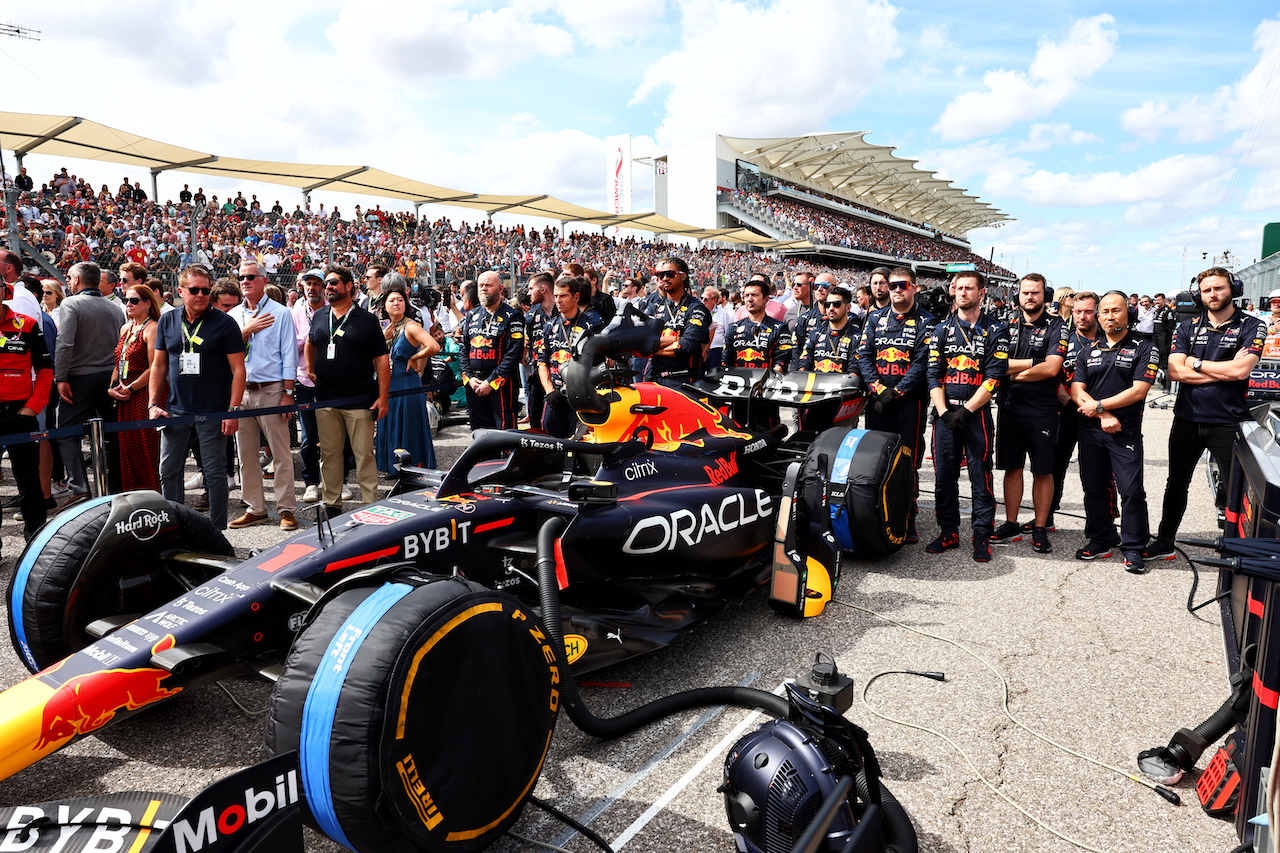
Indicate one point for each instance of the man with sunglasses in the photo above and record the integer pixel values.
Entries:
(809, 312)
(199, 358)
(686, 326)
(271, 367)
(893, 358)
(831, 348)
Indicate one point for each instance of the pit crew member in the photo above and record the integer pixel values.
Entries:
(1212, 357)
(967, 357)
(758, 341)
(492, 346)
(1028, 421)
(559, 340)
(26, 380)
(1109, 387)
(893, 358)
(686, 326)
(830, 348)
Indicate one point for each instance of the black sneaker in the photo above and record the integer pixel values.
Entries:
(1094, 551)
(1040, 541)
(1160, 549)
(1010, 531)
(1030, 526)
(945, 542)
(1134, 565)
(982, 548)
(912, 536)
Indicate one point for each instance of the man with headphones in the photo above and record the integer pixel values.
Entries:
(1109, 387)
(1028, 422)
(1212, 357)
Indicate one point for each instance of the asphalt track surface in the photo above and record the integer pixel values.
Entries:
(1105, 662)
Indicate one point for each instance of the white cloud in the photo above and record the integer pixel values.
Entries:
(443, 38)
(1265, 192)
(1172, 176)
(1014, 96)
(795, 91)
(608, 24)
(1250, 102)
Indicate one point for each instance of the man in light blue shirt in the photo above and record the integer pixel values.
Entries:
(271, 368)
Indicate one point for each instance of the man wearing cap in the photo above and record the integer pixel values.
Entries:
(311, 283)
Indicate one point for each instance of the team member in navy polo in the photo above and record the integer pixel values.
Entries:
(757, 341)
(832, 347)
(1211, 359)
(893, 357)
(200, 357)
(492, 346)
(686, 326)
(560, 337)
(1084, 316)
(1111, 381)
(542, 307)
(346, 356)
(1028, 422)
(967, 356)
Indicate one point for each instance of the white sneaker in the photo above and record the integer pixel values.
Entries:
(346, 492)
(61, 490)
(231, 482)
(195, 481)
(311, 495)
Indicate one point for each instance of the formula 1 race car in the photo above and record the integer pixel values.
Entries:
(386, 626)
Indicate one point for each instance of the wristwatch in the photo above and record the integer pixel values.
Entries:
(1098, 408)
(1195, 365)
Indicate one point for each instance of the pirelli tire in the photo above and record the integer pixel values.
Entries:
(422, 711)
(873, 485)
(50, 600)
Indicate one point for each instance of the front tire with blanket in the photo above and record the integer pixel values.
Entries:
(872, 487)
(101, 559)
(422, 711)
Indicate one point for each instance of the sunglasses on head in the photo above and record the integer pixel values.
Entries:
(199, 291)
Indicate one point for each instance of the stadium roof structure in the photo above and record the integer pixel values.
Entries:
(76, 137)
(847, 166)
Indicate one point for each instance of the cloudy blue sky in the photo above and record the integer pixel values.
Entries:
(1115, 134)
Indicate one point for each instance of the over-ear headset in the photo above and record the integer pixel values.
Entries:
(1237, 288)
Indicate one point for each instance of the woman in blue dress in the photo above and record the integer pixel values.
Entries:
(405, 427)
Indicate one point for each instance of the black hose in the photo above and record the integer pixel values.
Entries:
(571, 700)
(896, 829)
(1218, 724)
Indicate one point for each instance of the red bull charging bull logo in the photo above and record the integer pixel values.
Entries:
(86, 703)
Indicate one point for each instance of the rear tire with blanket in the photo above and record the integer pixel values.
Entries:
(75, 571)
(872, 485)
(422, 711)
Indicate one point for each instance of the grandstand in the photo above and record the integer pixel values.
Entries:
(857, 203)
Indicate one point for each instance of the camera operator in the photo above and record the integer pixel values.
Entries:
(1212, 357)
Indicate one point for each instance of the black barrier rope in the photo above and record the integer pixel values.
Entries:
(180, 420)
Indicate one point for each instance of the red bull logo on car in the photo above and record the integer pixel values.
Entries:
(86, 703)
(827, 365)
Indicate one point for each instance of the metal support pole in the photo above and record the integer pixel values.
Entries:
(98, 454)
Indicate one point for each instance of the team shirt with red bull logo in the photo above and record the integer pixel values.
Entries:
(559, 339)
(830, 350)
(894, 351)
(1107, 369)
(535, 321)
(1076, 343)
(964, 357)
(766, 344)
(1044, 337)
(691, 321)
(807, 319)
(492, 345)
(1217, 402)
